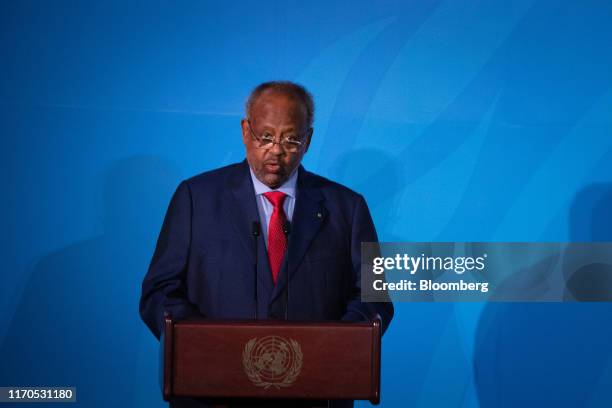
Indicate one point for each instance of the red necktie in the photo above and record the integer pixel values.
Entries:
(277, 241)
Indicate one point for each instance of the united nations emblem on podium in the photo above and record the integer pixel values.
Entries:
(272, 361)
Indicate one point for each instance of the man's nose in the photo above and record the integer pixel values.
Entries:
(277, 149)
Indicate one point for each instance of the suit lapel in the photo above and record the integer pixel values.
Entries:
(308, 217)
(241, 209)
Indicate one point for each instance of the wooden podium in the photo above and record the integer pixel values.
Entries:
(272, 359)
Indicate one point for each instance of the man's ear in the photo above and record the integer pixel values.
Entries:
(308, 138)
(244, 124)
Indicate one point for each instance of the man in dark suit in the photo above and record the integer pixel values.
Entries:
(205, 263)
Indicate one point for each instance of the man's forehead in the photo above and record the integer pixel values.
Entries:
(272, 100)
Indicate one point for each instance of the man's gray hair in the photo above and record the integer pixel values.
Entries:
(284, 87)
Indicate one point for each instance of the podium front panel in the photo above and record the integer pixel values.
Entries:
(263, 359)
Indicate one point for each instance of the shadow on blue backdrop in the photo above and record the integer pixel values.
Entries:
(553, 354)
(77, 323)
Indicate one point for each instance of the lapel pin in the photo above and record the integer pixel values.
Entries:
(319, 215)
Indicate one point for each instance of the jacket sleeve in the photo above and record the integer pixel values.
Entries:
(163, 288)
(363, 231)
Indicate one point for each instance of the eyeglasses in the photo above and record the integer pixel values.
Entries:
(266, 141)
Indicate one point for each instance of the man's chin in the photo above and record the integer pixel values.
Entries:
(273, 181)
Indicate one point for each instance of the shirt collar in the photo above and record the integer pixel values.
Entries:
(288, 187)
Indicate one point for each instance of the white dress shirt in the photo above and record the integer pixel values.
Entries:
(265, 208)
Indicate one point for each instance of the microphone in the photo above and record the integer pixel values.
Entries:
(255, 231)
(287, 231)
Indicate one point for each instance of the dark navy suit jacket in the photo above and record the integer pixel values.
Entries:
(204, 262)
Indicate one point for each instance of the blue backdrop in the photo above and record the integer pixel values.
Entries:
(458, 120)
